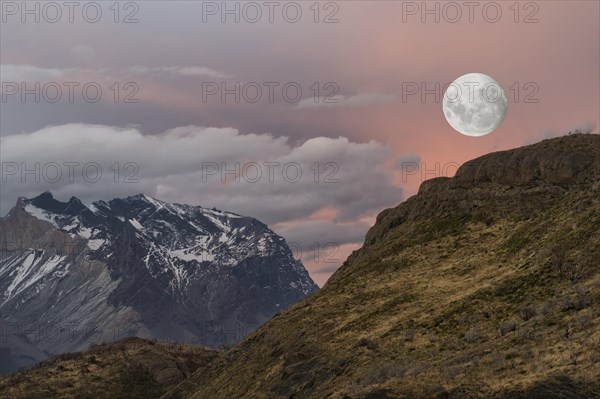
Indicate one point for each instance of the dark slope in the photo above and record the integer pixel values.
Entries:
(486, 285)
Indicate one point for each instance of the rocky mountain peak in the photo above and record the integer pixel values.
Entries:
(164, 270)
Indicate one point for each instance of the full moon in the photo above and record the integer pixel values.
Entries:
(474, 104)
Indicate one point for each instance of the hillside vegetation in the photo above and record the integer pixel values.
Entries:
(485, 285)
(129, 368)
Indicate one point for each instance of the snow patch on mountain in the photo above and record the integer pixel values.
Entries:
(136, 224)
(41, 214)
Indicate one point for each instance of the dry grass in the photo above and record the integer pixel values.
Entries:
(475, 310)
(130, 368)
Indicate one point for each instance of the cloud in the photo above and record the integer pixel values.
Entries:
(259, 175)
(321, 194)
(32, 73)
(359, 100)
(193, 71)
(303, 233)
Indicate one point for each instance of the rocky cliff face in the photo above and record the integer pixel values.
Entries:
(509, 182)
(485, 285)
(72, 276)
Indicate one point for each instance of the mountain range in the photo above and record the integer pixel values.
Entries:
(73, 275)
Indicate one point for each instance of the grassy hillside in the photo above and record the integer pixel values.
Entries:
(130, 368)
(486, 285)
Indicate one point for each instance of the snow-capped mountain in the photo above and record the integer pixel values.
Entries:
(73, 275)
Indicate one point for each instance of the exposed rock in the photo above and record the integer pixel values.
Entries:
(138, 266)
